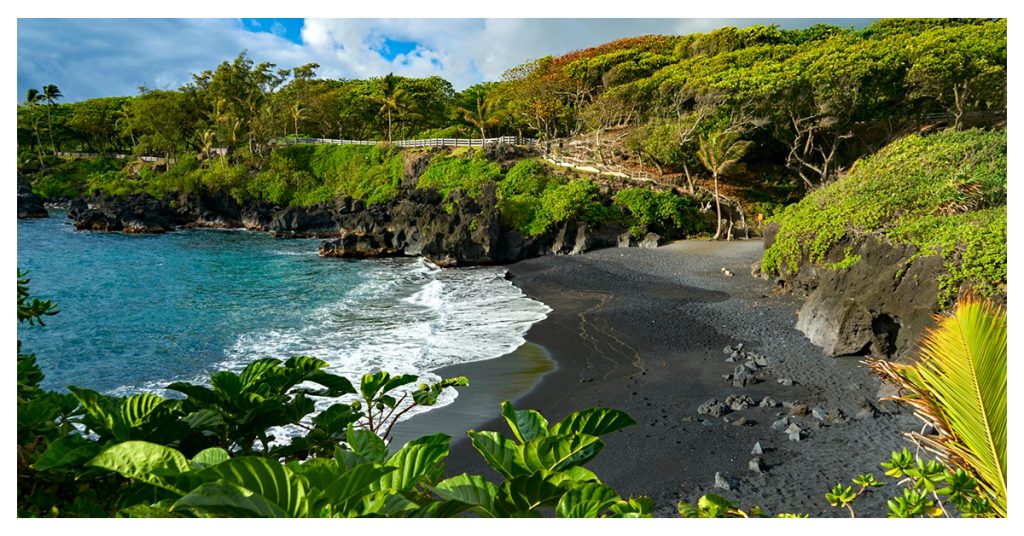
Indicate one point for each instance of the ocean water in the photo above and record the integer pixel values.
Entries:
(139, 312)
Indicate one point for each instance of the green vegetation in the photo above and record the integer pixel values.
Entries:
(662, 212)
(958, 386)
(531, 199)
(468, 175)
(211, 453)
(944, 193)
(76, 177)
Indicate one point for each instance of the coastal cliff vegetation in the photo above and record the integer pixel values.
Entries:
(805, 103)
(943, 193)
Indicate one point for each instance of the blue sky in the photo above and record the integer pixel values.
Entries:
(99, 57)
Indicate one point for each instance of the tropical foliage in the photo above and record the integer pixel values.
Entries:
(218, 451)
(958, 386)
(944, 193)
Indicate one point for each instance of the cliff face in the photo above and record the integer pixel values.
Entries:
(30, 205)
(415, 224)
(880, 306)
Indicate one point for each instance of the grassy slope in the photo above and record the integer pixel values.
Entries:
(944, 193)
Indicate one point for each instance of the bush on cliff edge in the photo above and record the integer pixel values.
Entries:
(944, 193)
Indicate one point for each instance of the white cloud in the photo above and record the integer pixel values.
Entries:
(88, 57)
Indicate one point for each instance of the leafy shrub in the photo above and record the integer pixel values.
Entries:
(211, 454)
(528, 176)
(943, 193)
(468, 175)
(661, 211)
(76, 177)
(531, 200)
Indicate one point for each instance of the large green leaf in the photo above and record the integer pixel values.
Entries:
(336, 418)
(379, 383)
(336, 385)
(227, 385)
(426, 395)
(633, 508)
(355, 484)
(267, 478)
(593, 421)
(318, 472)
(210, 456)
(371, 384)
(385, 503)
(198, 393)
(498, 451)
(558, 452)
(304, 364)
(255, 371)
(588, 500)
(527, 493)
(146, 462)
(99, 408)
(366, 444)
(68, 451)
(470, 489)
(574, 476)
(959, 385)
(413, 462)
(136, 408)
(204, 419)
(525, 424)
(227, 499)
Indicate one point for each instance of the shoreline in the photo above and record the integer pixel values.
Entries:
(491, 381)
(643, 331)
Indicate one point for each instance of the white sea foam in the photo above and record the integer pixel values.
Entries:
(406, 318)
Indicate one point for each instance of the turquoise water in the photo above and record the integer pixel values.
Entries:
(138, 312)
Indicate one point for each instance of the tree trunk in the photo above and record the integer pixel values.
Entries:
(49, 120)
(389, 125)
(718, 209)
(958, 103)
(689, 179)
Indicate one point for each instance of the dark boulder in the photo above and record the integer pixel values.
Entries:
(880, 306)
(303, 222)
(131, 214)
(206, 209)
(30, 205)
(356, 246)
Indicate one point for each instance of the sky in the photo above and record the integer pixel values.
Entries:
(89, 58)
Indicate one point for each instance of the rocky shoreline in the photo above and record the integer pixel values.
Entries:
(415, 224)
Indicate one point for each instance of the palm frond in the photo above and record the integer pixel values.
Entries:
(958, 386)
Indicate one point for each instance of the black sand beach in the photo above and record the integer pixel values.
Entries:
(643, 331)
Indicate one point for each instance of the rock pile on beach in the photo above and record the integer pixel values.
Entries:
(749, 371)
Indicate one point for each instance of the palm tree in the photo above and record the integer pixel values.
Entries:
(32, 99)
(720, 152)
(958, 385)
(297, 112)
(51, 93)
(483, 114)
(392, 99)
